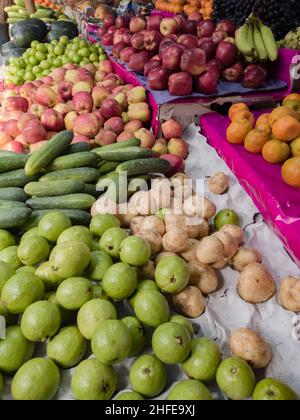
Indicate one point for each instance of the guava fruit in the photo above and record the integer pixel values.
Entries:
(226, 217)
(172, 274)
(70, 259)
(92, 380)
(138, 335)
(203, 361)
(20, 291)
(67, 317)
(92, 314)
(6, 239)
(49, 277)
(73, 292)
(142, 285)
(270, 389)
(6, 272)
(119, 281)
(10, 319)
(128, 395)
(29, 233)
(135, 251)
(27, 268)
(95, 245)
(99, 263)
(40, 321)
(189, 389)
(100, 223)
(33, 250)
(171, 343)
(148, 376)
(98, 292)
(76, 234)
(10, 256)
(67, 348)
(151, 308)
(15, 350)
(37, 379)
(235, 378)
(110, 241)
(52, 225)
(111, 341)
(184, 322)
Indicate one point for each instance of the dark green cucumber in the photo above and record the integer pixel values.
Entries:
(120, 145)
(125, 154)
(77, 217)
(72, 201)
(13, 194)
(90, 189)
(40, 159)
(86, 175)
(10, 204)
(54, 188)
(104, 167)
(10, 162)
(17, 178)
(11, 218)
(76, 160)
(141, 166)
(76, 148)
(136, 183)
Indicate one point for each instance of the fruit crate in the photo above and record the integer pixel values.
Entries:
(278, 203)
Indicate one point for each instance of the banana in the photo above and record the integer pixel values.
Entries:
(259, 44)
(269, 41)
(242, 40)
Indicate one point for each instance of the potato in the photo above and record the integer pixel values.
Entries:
(175, 220)
(203, 229)
(244, 257)
(234, 231)
(220, 264)
(229, 242)
(153, 223)
(210, 209)
(136, 224)
(199, 206)
(146, 272)
(126, 219)
(163, 255)
(154, 239)
(210, 250)
(255, 284)
(182, 192)
(190, 253)
(204, 277)
(180, 177)
(175, 240)
(189, 302)
(289, 294)
(218, 183)
(251, 347)
(161, 193)
(142, 204)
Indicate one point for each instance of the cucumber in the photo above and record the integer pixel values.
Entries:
(75, 160)
(13, 162)
(136, 183)
(117, 189)
(13, 194)
(77, 217)
(104, 167)
(86, 175)
(10, 204)
(125, 154)
(23, 12)
(11, 20)
(120, 145)
(72, 201)
(11, 218)
(54, 188)
(20, 3)
(90, 189)
(47, 153)
(105, 180)
(15, 14)
(7, 153)
(141, 166)
(12, 8)
(76, 148)
(17, 178)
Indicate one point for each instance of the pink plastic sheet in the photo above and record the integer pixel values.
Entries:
(278, 203)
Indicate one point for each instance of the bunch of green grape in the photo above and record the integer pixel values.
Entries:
(291, 40)
(40, 59)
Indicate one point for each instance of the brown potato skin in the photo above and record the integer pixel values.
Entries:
(255, 284)
(204, 277)
(244, 257)
(154, 239)
(189, 302)
(190, 253)
(289, 294)
(218, 183)
(175, 240)
(251, 347)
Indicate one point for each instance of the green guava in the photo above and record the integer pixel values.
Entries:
(70, 259)
(76, 234)
(99, 264)
(135, 251)
(33, 250)
(52, 225)
(49, 277)
(172, 274)
(73, 292)
(10, 256)
(6, 272)
(270, 389)
(189, 389)
(184, 322)
(138, 335)
(119, 281)
(110, 241)
(151, 308)
(100, 223)
(6, 239)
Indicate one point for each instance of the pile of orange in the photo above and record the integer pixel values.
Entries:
(186, 6)
(275, 135)
(49, 4)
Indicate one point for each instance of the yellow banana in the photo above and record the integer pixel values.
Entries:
(259, 44)
(269, 41)
(242, 40)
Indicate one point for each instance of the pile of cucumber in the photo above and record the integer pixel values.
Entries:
(68, 177)
(18, 12)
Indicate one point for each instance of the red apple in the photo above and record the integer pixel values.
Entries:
(81, 87)
(215, 66)
(124, 136)
(226, 26)
(219, 36)
(151, 65)
(133, 126)
(112, 29)
(101, 32)
(193, 61)
(146, 137)
(82, 75)
(166, 43)
(126, 37)
(168, 26)
(152, 40)
(37, 110)
(106, 66)
(160, 147)
(23, 120)
(190, 27)
(14, 146)
(58, 75)
(117, 48)
(114, 124)
(181, 22)
(87, 125)
(207, 83)
(63, 109)
(189, 41)
(122, 22)
(138, 61)
(234, 73)
(137, 41)
(100, 75)
(171, 57)
(99, 94)
(158, 79)
(100, 117)
(176, 164)
(180, 84)
(46, 96)
(11, 128)
(107, 39)
(110, 108)
(139, 111)
(171, 129)
(70, 119)
(254, 76)
(153, 23)
(227, 53)
(109, 20)
(137, 24)
(197, 17)
(52, 120)
(178, 147)
(205, 28)
(117, 37)
(4, 138)
(127, 53)
(105, 137)
(83, 102)
(34, 132)
(65, 90)
(209, 47)
(80, 139)
(15, 103)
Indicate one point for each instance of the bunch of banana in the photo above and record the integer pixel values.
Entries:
(256, 41)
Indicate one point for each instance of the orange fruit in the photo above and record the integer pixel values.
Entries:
(291, 97)
(237, 131)
(295, 147)
(286, 129)
(291, 172)
(275, 151)
(263, 119)
(235, 108)
(243, 115)
(280, 112)
(255, 140)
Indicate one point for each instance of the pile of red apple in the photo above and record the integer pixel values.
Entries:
(175, 53)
